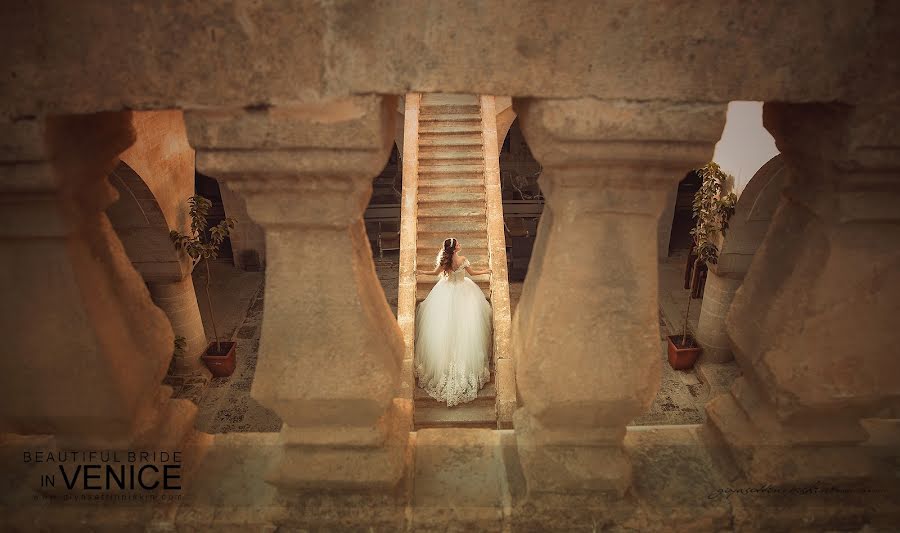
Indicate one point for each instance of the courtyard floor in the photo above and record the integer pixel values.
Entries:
(226, 405)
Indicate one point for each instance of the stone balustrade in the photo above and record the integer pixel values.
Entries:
(86, 348)
(586, 331)
(331, 352)
(812, 324)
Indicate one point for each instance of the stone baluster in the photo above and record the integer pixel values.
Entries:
(814, 323)
(85, 348)
(586, 332)
(331, 351)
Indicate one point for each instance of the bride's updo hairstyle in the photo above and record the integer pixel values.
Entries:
(445, 256)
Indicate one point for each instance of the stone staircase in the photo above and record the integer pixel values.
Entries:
(451, 203)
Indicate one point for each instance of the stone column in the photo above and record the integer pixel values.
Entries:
(586, 331)
(718, 294)
(814, 323)
(85, 349)
(331, 350)
(248, 244)
(746, 230)
(179, 302)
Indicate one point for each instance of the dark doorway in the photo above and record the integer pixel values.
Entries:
(209, 188)
(382, 215)
(683, 218)
(523, 201)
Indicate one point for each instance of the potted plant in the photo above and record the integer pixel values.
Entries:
(711, 208)
(219, 356)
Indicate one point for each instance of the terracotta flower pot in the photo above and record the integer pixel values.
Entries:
(682, 358)
(220, 362)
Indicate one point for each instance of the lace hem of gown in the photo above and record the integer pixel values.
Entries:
(454, 387)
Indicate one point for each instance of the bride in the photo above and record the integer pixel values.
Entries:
(453, 331)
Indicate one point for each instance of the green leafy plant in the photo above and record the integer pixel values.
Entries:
(712, 209)
(202, 247)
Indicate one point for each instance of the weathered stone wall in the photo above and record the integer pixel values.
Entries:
(87, 56)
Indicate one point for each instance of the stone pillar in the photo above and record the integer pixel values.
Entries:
(248, 243)
(718, 294)
(746, 230)
(179, 302)
(331, 351)
(586, 331)
(814, 323)
(664, 227)
(85, 349)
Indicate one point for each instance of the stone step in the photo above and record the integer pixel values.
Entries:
(471, 245)
(426, 110)
(715, 378)
(443, 153)
(441, 169)
(464, 180)
(452, 209)
(450, 127)
(425, 258)
(449, 99)
(433, 240)
(451, 117)
(431, 163)
(458, 416)
(440, 194)
(486, 395)
(426, 190)
(430, 139)
(450, 226)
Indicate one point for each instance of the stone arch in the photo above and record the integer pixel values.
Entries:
(506, 115)
(747, 228)
(141, 226)
(522, 198)
(154, 178)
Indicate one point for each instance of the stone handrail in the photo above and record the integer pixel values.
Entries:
(406, 290)
(504, 371)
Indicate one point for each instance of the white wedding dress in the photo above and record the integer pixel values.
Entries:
(453, 336)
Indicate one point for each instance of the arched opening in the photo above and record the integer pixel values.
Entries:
(744, 147)
(523, 204)
(382, 220)
(208, 188)
(682, 218)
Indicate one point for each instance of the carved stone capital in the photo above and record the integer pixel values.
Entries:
(308, 165)
(620, 143)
